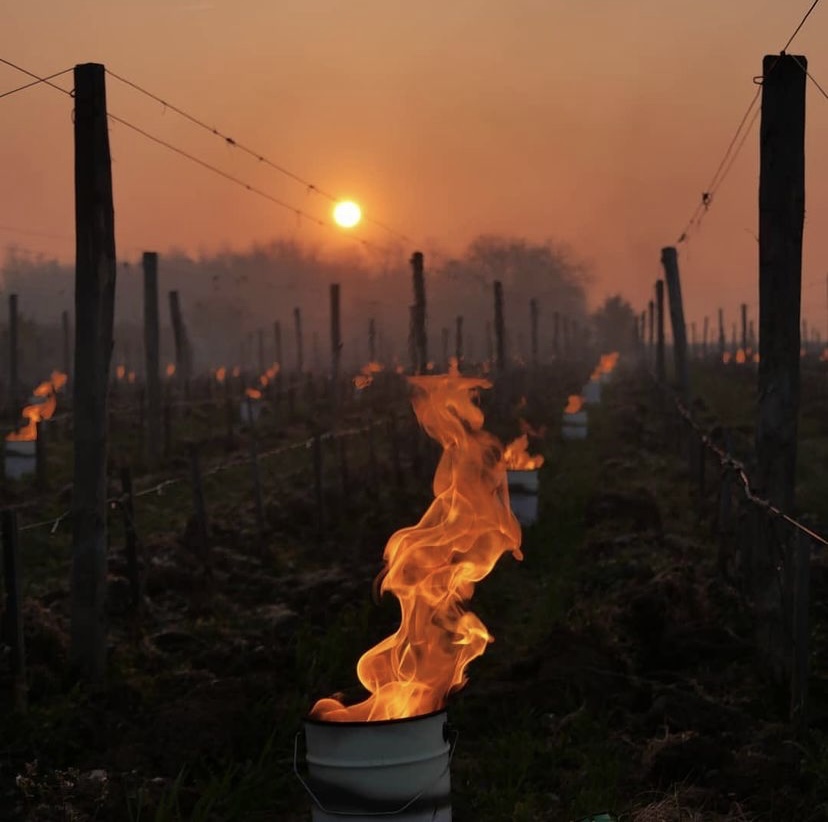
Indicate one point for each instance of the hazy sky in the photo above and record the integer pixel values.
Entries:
(597, 123)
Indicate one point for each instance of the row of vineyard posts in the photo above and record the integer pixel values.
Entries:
(92, 391)
(763, 550)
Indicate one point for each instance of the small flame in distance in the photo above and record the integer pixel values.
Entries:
(432, 567)
(37, 412)
(517, 458)
(574, 404)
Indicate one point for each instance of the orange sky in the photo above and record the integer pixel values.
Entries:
(595, 122)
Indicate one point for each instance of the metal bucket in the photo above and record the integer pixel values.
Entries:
(592, 392)
(363, 770)
(20, 458)
(249, 411)
(523, 495)
(574, 426)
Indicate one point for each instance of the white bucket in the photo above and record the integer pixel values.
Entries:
(523, 495)
(249, 410)
(367, 770)
(20, 458)
(574, 426)
(592, 392)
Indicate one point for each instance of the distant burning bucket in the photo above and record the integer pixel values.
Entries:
(592, 392)
(574, 424)
(20, 458)
(523, 495)
(394, 768)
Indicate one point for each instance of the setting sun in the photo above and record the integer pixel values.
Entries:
(347, 214)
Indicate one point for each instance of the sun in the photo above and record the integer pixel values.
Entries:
(347, 214)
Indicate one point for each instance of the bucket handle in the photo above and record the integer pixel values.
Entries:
(454, 736)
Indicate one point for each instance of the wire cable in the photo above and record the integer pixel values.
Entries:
(46, 80)
(238, 181)
(34, 82)
(801, 24)
(233, 143)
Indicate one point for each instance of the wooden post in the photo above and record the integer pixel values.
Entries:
(499, 328)
(277, 345)
(130, 537)
(722, 341)
(661, 371)
(261, 353)
(372, 340)
(744, 328)
(14, 374)
(705, 333)
(533, 318)
(669, 259)
(95, 274)
(781, 216)
(152, 356)
(182, 366)
(336, 342)
(67, 346)
(12, 617)
(458, 339)
(419, 316)
(300, 353)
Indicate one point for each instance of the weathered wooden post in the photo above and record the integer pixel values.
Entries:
(95, 275)
(781, 216)
(182, 359)
(744, 328)
(661, 371)
(12, 616)
(152, 356)
(419, 317)
(277, 345)
(800, 629)
(14, 373)
(533, 317)
(300, 353)
(499, 329)
(336, 342)
(458, 339)
(669, 259)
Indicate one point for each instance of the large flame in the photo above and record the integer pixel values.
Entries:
(517, 458)
(37, 412)
(432, 568)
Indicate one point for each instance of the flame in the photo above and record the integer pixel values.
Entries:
(120, 371)
(170, 369)
(516, 455)
(273, 371)
(726, 357)
(264, 380)
(574, 404)
(606, 365)
(756, 357)
(131, 377)
(366, 375)
(37, 412)
(433, 567)
(740, 356)
(253, 393)
(236, 371)
(221, 373)
(399, 369)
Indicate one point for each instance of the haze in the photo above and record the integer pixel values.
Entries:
(594, 123)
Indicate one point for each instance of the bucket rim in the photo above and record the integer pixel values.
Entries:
(370, 723)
